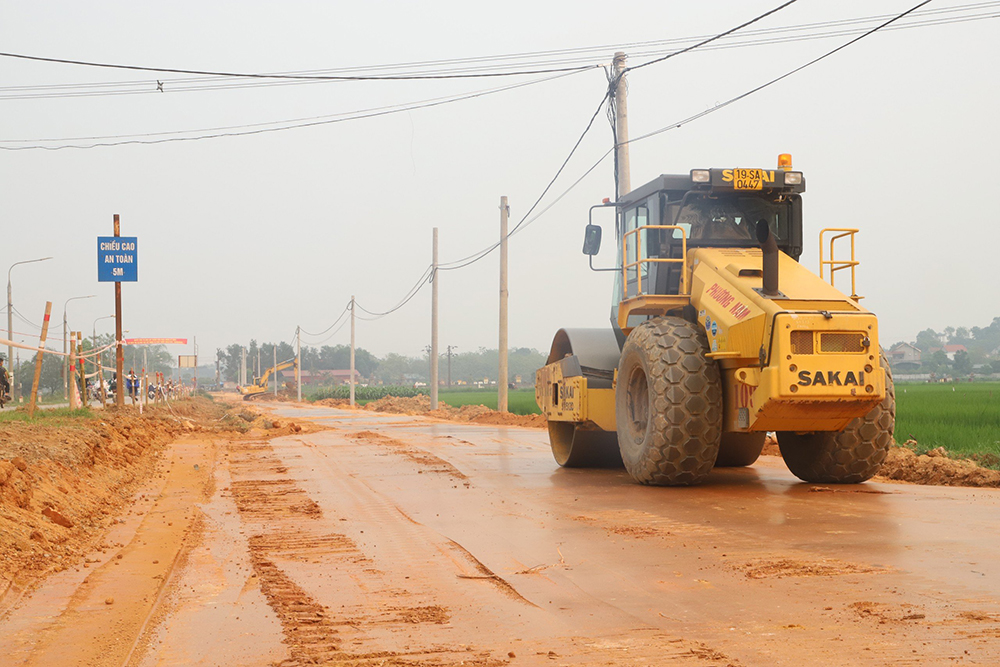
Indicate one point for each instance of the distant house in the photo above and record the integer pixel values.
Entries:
(949, 350)
(322, 377)
(904, 357)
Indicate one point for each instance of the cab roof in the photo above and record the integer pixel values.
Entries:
(719, 181)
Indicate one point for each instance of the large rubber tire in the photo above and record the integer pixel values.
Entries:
(668, 403)
(574, 447)
(850, 456)
(739, 449)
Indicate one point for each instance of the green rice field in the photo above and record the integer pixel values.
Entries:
(519, 401)
(964, 418)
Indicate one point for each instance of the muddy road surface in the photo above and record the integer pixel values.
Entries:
(395, 540)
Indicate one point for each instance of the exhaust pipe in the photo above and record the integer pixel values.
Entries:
(769, 248)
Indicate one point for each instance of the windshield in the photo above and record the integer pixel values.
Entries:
(729, 219)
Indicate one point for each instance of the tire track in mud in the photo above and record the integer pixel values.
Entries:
(314, 634)
(423, 458)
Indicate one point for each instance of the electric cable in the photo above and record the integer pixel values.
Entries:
(305, 77)
(426, 277)
(588, 54)
(294, 125)
(524, 222)
(710, 39)
(472, 259)
(775, 80)
(608, 95)
(346, 309)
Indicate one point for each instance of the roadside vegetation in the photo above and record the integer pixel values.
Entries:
(964, 418)
(49, 417)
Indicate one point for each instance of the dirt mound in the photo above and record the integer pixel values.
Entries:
(334, 403)
(62, 479)
(479, 414)
(410, 405)
(935, 468)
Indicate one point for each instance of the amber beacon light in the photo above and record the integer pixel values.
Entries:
(785, 161)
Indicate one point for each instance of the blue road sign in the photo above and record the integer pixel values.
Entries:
(117, 259)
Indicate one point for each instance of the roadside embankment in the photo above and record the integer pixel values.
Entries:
(66, 476)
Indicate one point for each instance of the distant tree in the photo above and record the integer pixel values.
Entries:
(927, 339)
(393, 369)
(962, 364)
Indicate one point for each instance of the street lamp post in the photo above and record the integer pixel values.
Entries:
(65, 358)
(10, 308)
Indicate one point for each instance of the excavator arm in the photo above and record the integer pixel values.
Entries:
(259, 386)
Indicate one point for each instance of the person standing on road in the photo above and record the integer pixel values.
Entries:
(132, 385)
(4, 383)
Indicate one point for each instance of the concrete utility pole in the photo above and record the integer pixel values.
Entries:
(298, 363)
(274, 353)
(502, 377)
(352, 350)
(621, 123)
(434, 324)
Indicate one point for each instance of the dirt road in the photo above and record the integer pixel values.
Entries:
(394, 540)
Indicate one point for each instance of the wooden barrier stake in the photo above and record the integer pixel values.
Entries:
(38, 360)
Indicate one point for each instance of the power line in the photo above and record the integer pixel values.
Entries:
(710, 39)
(472, 259)
(524, 221)
(334, 333)
(426, 277)
(317, 335)
(608, 95)
(458, 264)
(536, 59)
(775, 80)
(305, 77)
(244, 130)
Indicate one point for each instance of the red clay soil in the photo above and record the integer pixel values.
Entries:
(421, 405)
(63, 480)
(935, 468)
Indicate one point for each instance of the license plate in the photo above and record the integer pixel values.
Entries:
(748, 179)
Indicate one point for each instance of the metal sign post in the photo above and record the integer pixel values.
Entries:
(117, 262)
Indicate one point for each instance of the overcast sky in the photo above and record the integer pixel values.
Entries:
(248, 237)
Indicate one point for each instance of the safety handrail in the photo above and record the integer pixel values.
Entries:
(838, 264)
(626, 265)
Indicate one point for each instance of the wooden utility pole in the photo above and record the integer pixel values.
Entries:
(352, 351)
(434, 323)
(621, 123)
(71, 373)
(38, 360)
(502, 377)
(119, 350)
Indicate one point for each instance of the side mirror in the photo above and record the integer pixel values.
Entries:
(592, 240)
